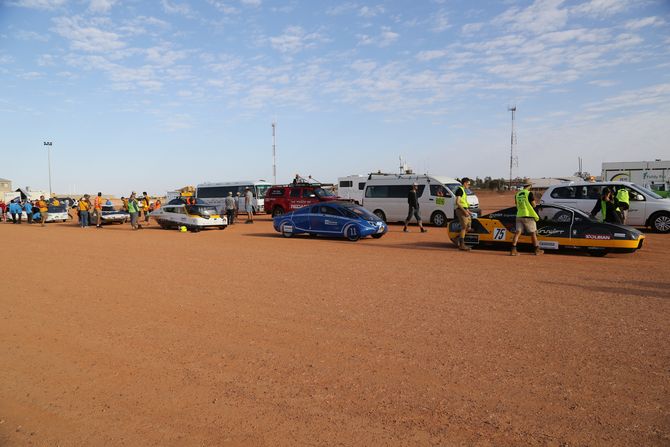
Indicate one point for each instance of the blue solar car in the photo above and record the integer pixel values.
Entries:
(334, 219)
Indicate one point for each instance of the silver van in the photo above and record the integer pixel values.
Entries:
(647, 209)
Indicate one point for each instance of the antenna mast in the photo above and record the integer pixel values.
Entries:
(513, 160)
(274, 152)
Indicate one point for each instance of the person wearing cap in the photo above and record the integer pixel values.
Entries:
(413, 204)
(97, 210)
(526, 218)
(229, 206)
(133, 210)
(249, 205)
(44, 209)
(146, 204)
(462, 212)
(84, 206)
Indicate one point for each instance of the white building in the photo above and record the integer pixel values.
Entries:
(650, 174)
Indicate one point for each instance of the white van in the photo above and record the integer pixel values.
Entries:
(215, 194)
(386, 196)
(647, 209)
(352, 187)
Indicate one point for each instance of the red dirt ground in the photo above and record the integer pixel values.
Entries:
(241, 337)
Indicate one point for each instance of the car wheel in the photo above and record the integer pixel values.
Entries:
(597, 252)
(377, 235)
(195, 229)
(284, 231)
(563, 216)
(351, 232)
(438, 219)
(380, 214)
(277, 211)
(660, 222)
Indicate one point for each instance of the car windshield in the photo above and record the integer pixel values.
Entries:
(57, 209)
(355, 211)
(320, 192)
(648, 192)
(108, 208)
(261, 190)
(202, 210)
(454, 187)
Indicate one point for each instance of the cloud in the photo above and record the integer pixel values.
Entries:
(644, 22)
(600, 8)
(341, 9)
(295, 39)
(603, 83)
(176, 8)
(37, 4)
(101, 6)
(370, 11)
(470, 28)
(255, 3)
(541, 16)
(658, 94)
(85, 37)
(440, 22)
(31, 35)
(429, 55)
(224, 7)
(385, 38)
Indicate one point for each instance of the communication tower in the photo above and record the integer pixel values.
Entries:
(513, 159)
(274, 152)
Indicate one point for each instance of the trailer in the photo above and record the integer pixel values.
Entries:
(654, 175)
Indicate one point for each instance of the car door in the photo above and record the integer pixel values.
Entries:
(327, 219)
(554, 226)
(637, 213)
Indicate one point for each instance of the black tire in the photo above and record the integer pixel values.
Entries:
(277, 211)
(223, 227)
(438, 219)
(378, 235)
(284, 232)
(563, 216)
(195, 229)
(660, 222)
(380, 214)
(351, 233)
(597, 252)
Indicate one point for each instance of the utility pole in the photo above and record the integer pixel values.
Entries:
(48, 144)
(274, 152)
(513, 160)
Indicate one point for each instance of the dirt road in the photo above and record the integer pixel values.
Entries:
(241, 337)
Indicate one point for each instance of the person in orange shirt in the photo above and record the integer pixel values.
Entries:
(97, 209)
(44, 208)
(157, 204)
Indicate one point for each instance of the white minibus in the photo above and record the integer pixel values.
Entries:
(352, 187)
(386, 196)
(216, 193)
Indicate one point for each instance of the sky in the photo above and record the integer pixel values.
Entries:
(154, 95)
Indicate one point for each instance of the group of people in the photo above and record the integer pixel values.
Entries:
(36, 210)
(91, 211)
(613, 206)
(526, 216)
(232, 208)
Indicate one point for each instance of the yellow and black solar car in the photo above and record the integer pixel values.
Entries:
(559, 228)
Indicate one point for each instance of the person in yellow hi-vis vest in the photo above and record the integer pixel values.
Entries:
(526, 218)
(623, 203)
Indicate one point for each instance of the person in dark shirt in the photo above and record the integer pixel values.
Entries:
(607, 208)
(413, 202)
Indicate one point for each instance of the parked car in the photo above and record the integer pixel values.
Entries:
(281, 199)
(111, 215)
(334, 219)
(647, 209)
(559, 228)
(195, 217)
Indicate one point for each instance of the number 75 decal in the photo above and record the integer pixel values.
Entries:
(499, 234)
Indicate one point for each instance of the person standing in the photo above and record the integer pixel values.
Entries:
(230, 208)
(28, 208)
(134, 210)
(623, 203)
(249, 205)
(607, 208)
(413, 205)
(84, 211)
(15, 210)
(526, 219)
(146, 204)
(3, 211)
(44, 210)
(462, 211)
(97, 209)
